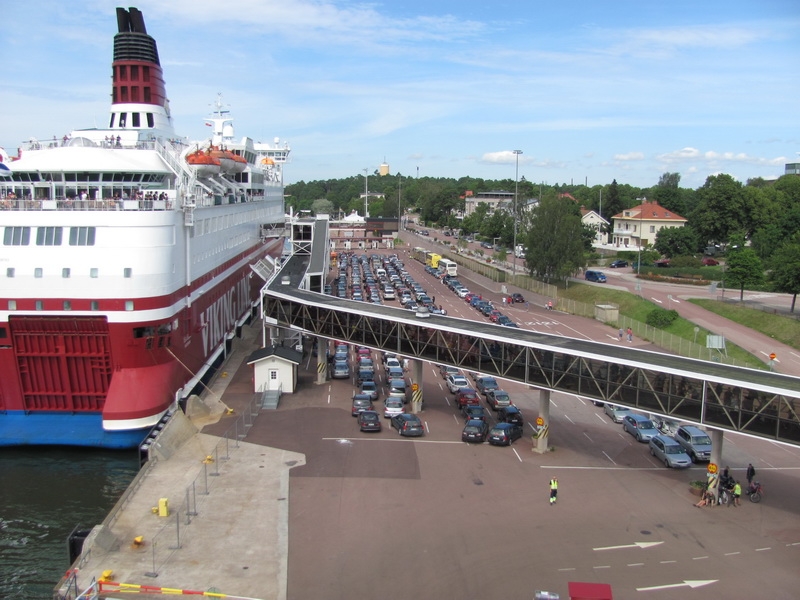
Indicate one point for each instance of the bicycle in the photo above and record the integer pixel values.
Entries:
(754, 492)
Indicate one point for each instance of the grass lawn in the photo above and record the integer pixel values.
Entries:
(637, 308)
(786, 330)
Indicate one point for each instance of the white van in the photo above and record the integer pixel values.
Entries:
(388, 292)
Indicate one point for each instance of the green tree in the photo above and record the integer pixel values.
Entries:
(322, 206)
(743, 268)
(785, 274)
(612, 205)
(720, 209)
(668, 194)
(554, 240)
(676, 241)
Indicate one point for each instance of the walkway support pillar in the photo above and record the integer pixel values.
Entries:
(322, 360)
(416, 386)
(542, 433)
(716, 447)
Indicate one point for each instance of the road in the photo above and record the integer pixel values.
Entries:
(378, 515)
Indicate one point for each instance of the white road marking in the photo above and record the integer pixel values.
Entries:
(656, 300)
(587, 437)
(686, 583)
(762, 549)
(518, 456)
(568, 419)
(641, 545)
(608, 457)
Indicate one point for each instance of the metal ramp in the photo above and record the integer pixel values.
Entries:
(270, 399)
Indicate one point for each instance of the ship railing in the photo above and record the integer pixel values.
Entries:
(177, 531)
(72, 204)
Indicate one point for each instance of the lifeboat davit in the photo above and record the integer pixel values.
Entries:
(203, 163)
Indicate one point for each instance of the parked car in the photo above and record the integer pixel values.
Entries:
(661, 262)
(466, 396)
(497, 399)
(341, 370)
(670, 452)
(617, 413)
(618, 264)
(510, 414)
(365, 375)
(368, 420)
(475, 431)
(486, 383)
(446, 370)
(709, 262)
(361, 402)
(471, 411)
(596, 276)
(370, 388)
(392, 406)
(517, 297)
(408, 425)
(455, 382)
(504, 434)
(639, 426)
(397, 389)
(695, 442)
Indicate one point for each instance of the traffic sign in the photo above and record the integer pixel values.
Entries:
(539, 421)
(414, 387)
(773, 356)
(712, 468)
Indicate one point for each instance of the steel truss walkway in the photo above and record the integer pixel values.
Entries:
(748, 401)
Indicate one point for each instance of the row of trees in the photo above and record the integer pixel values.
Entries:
(759, 219)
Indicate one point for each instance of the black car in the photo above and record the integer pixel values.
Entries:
(619, 264)
(472, 412)
(369, 420)
(510, 414)
(517, 297)
(504, 434)
(475, 431)
(408, 425)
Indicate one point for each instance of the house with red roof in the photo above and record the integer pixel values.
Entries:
(637, 227)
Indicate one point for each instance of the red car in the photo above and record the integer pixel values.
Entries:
(467, 396)
(661, 262)
(709, 262)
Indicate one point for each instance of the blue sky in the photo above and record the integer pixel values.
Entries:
(589, 91)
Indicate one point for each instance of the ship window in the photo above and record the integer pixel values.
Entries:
(123, 116)
(123, 72)
(94, 272)
(38, 272)
(123, 96)
(48, 236)
(3, 333)
(134, 94)
(113, 115)
(128, 304)
(65, 272)
(147, 97)
(135, 116)
(134, 72)
(67, 305)
(81, 236)
(145, 73)
(150, 121)
(12, 305)
(10, 272)
(17, 236)
(127, 272)
(39, 305)
(94, 305)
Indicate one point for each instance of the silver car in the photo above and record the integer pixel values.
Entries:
(340, 370)
(617, 413)
(639, 427)
(670, 452)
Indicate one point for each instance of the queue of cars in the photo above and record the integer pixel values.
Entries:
(688, 445)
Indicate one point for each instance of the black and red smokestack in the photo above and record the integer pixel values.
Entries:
(137, 76)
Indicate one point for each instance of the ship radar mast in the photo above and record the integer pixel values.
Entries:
(221, 123)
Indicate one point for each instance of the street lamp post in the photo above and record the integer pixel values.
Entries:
(516, 190)
(366, 193)
(399, 198)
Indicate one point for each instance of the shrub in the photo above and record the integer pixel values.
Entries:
(661, 318)
(685, 261)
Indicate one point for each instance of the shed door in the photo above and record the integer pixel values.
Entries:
(274, 380)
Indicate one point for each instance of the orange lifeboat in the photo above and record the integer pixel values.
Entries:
(229, 161)
(203, 163)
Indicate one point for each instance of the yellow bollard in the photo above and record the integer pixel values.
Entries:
(163, 507)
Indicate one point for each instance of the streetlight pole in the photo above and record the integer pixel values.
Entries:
(399, 199)
(516, 190)
(366, 193)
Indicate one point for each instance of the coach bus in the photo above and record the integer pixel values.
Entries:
(448, 267)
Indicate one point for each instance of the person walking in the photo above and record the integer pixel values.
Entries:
(737, 494)
(553, 490)
(630, 334)
(621, 333)
(751, 472)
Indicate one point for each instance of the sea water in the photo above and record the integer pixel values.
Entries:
(44, 494)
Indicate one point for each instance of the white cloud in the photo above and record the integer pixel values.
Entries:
(629, 156)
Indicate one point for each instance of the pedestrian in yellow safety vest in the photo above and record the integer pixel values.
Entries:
(553, 490)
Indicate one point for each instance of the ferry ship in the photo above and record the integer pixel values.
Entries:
(127, 260)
